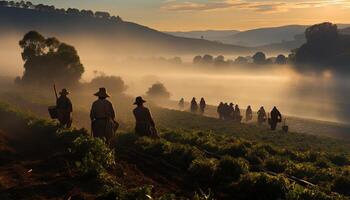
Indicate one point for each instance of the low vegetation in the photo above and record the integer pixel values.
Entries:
(207, 164)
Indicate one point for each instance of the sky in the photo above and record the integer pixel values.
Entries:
(186, 15)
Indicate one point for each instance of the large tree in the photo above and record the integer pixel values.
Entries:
(322, 44)
(47, 60)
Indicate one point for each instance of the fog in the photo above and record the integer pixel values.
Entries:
(320, 96)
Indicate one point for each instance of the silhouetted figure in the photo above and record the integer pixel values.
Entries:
(64, 109)
(237, 114)
(231, 111)
(102, 116)
(202, 105)
(262, 115)
(145, 125)
(182, 104)
(249, 114)
(220, 110)
(226, 111)
(194, 105)
(276, 117)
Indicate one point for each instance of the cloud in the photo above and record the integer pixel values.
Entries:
(255, 5)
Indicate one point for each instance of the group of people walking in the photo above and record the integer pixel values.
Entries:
(194, 106)
(102, 115)
(229, 112)
(104, 124)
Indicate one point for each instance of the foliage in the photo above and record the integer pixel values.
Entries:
(93, 157)
(158, 90)
(259, 58)
(324, 47)
(115, 84)
(263, 186)
(48, 60)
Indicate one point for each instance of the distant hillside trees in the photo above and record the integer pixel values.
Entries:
(259, 58)
(158, 91)
(241, 60)
(281, 60)
(47, 60)
(325, 47)
(115, 84)
(69, 11)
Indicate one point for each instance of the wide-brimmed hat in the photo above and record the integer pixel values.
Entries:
(139, 100)
(64, 92)
(102, 93)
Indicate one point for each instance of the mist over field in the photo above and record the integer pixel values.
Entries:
(313, 95)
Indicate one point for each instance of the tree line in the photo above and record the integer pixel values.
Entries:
(258, 58)
(53, 9)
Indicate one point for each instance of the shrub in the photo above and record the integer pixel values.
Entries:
(337, 159)
(275, 165)
(262, 186)
(202, 170)
(235, 150)
(92, 155)
(151, 146)
(181, 155)
(342, 185)
(231, 169)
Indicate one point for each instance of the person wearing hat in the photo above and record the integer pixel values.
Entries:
(144, 122)
(64, 109)
(102, 116)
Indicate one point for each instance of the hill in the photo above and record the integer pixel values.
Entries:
(281, 38)
(117, 36)
(212, 35)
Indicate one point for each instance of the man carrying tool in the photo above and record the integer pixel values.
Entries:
(64, 109)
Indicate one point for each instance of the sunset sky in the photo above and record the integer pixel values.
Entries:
(184, 15)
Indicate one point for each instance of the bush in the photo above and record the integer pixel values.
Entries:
(202, 170)
(235, 150)
(230, 169)
(340, 160)
(342, 185)
(181, 155)
(92, 155)
(275, 165)
(114, 84)
(262, 186)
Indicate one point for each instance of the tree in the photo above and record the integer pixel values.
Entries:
(241, 60)
(87, 13)
(207, 59)
(197, 60)
(115, 84)
(322, 44)
(281, 60)
(158, 91)
(103, 15)
(47, 60)
(4, 3)
(259, 58)
(220, 60)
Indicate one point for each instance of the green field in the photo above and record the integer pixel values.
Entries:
(197, 157)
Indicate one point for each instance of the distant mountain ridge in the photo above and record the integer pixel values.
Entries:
(118, 35)
(275, 36)
(213, 35)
